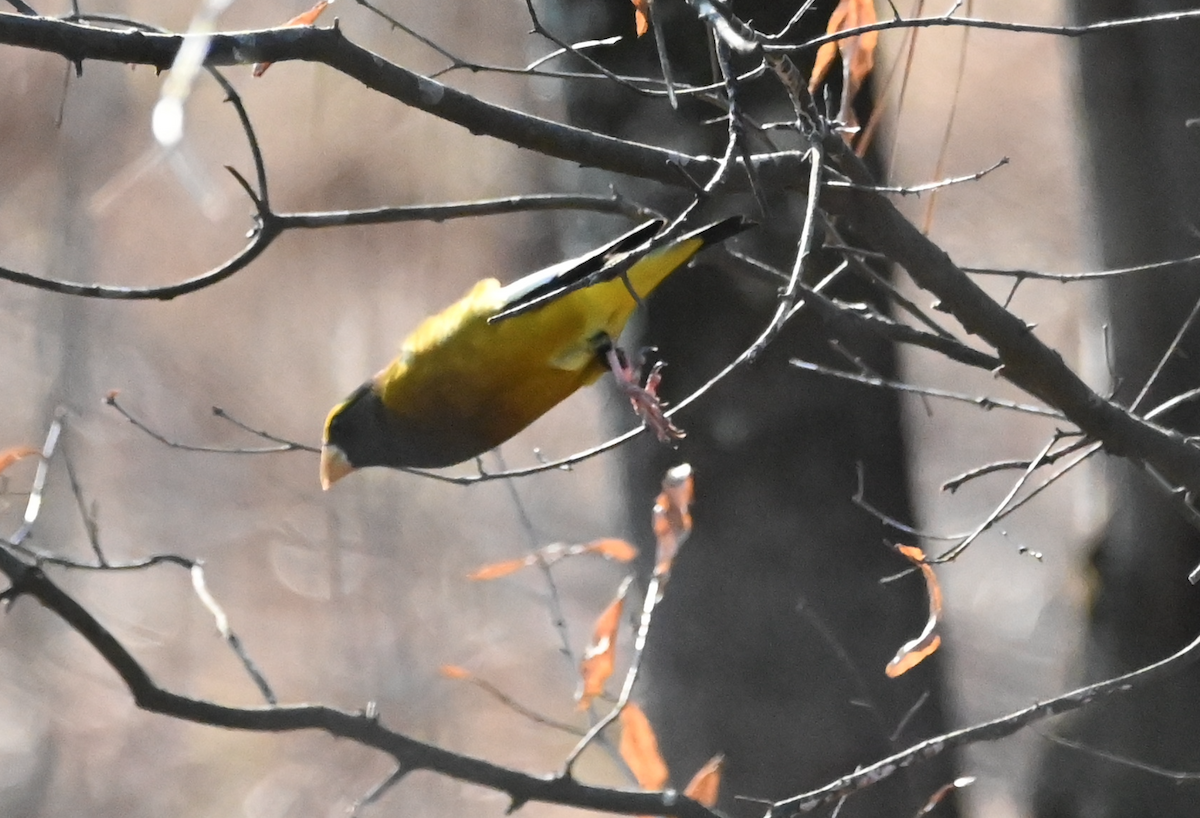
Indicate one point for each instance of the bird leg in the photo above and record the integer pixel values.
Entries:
(644, 398)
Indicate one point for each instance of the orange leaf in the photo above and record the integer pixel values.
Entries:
(858, 53)
(305, 19)
(641, 16)
(499, 569)
(912, 653)
(943, 791)
(706, 783)
(455, 672)
(599, 659)
(10, 456)
(639, 748)
(672, 520)
(618, 550)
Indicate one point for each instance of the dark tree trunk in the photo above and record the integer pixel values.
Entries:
(1139, 87)
(771, 642)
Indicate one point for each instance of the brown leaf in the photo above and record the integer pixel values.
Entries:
(639, 748)
(600, 658)
(613, 549)
(499, 569)
(455, 672)
(858, 53)
(672, 519)
(912, 653)
(705, 785)
(641, 16)
(943, 791)
(10, 456)
(304, 19)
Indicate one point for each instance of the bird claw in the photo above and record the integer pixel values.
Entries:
(644, 398)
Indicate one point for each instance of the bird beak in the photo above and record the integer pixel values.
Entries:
(334, 465)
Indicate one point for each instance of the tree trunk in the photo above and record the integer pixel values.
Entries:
(1140, 85)
(771, 641)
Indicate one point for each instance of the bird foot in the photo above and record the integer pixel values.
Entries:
(643, 397)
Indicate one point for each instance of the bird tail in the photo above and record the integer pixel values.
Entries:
(649, 271)
(620, 258)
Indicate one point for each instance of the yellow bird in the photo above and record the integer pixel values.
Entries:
(475, 374)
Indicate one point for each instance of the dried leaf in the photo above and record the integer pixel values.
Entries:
(600, 658)
(639, 748)
(10, 456)
(858, 53)
(305, 19)
(943, 791)
(613, 549)
(705, 785)
(911, 653)
(455, 672)
(500, 569)
(641, 16)
(672, 519)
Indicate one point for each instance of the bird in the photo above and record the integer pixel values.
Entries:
(474, 375)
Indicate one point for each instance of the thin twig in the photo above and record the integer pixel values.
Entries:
(653, 597)
(514, 705)
(379, 790)
(952, 554)
(1124, 761)
(955, 483)
(981, 401)
(1166, 356)
(283, 445)
(1170, 264)
(787, 298)
(946, 21)
(917, 190)
(33, 506)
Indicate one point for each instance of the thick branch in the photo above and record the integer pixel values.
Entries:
(362, 728)
(1027, 361)
(82, 42)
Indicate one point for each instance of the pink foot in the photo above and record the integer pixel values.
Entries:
(644, 398)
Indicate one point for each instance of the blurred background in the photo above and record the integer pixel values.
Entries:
(361, 594)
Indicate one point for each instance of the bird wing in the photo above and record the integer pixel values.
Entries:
(617, 261)
(557, 277)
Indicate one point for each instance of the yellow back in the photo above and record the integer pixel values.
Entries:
(494, 379)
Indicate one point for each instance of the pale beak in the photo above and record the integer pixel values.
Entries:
(334, 465)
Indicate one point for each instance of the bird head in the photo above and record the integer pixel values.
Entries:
(363, 431)
(351, 430)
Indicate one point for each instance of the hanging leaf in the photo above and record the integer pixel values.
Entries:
(943, 791)
(705, 785)
(641, 16)
(858, 54)
(613, 549)
(639, 748)
(500, 569)
(455, 672)
(10, 456)
(912, 653)
(305, 19)
(672, 518)
(600, 658)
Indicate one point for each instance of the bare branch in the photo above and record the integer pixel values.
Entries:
(947, 21)
(987, 731)
(362, 728)
(981, 401)
(283, 445)
(1170, 264)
